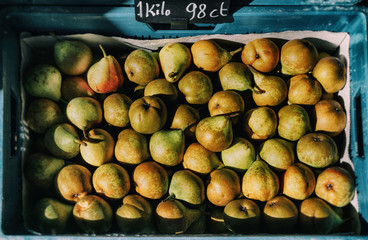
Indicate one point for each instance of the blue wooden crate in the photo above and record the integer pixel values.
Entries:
(120, 21)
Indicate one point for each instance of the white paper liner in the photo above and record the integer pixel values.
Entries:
(42, 46)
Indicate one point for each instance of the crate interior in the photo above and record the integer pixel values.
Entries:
(112, 21)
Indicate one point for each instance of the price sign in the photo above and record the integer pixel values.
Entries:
(201, 11)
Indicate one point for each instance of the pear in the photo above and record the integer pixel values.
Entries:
(336, 186)
(73, 182)
(330, 117)
(239, 156)
(226, 103)
(187, 186)
(197, 87)
(40, 169)
(317, 217)
(52, 216)
(242, 216)
(43, 81)
(162, 88)
(331, 73)
(200, 160)
(262, 54)
(106, 75)
(84, 113)
(202, 49)
(116, 109)
(280, 215)
(167, 146)
(175, 59)
(260, 182)
(131, 147)
(199, 226)
(215, 133)
(304, 90)
(223, 187)
(317, 150)
(151, 180)
(111, 181)
(278, 153)
(173, 217)
(93, 215)
(260, 123)
(272, 89)
(187, 117)
(75, 86)
(135, 215)
(42, 114)
(141, 67)
(62, 141)
(236, 76)
(298, 56)
(98, 148)
(293, 122)
(298, 181)
(72, 57)
(148, 114)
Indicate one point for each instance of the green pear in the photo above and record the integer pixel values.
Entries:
(162, 88)
(242, 216)
(260, 182)
(278, 153)
(223, 187)
(318, 217)
(293, 122)
(105, 76)
(173, 217)
(43, 81)
(187, 186)
(72, 57)
(135, 215)
(98, 148)
(42, 114)
(40, 169)
(62, 141)
(240, 155)
(167, 146)
(84, 113)
(93, 215)
(131, 148)
(196, 86)
(141, 67)
(202, 49)
(215, 133)
(175, 59)
(200, 160)
(236, 76)
(73, 182)
(272, 89)
(111, 181)
(52, 216)
(75, 86)
(116, 108)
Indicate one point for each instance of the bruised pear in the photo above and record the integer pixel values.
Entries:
(74, 182)
(141, 67)
(215, 133)
(202, 49)
(106, 75)
(175, 59)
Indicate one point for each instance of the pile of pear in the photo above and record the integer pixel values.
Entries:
(209, 137)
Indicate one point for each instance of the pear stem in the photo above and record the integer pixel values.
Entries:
(80, 142)
(103, 50)
(171, 196)
(232, 53)
(85, 134)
